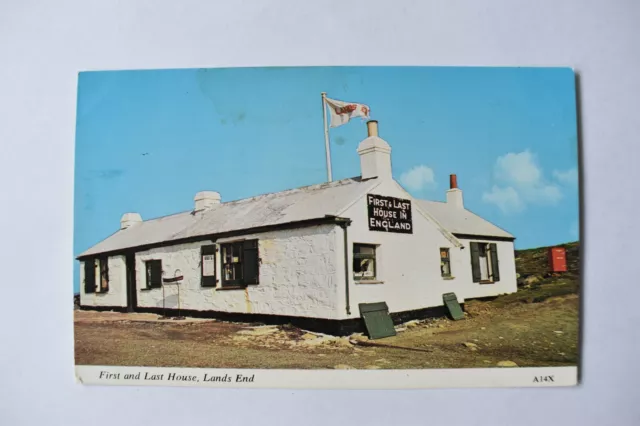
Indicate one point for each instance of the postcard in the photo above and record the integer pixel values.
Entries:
(327, 227)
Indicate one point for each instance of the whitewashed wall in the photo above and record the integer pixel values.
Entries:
(407, 264)
(298, 273)
(117, 294)
(302, 271)
(506, 263)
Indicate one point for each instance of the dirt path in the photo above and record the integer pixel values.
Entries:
(528, 334)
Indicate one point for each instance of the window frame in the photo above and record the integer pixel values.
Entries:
(148, 264)
(492, 261)
(244, 247)
(209, 280)
(445, 259)
(365, 256)
(103, 269)
(237, 282)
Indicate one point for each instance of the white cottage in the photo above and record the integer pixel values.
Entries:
(309, 255)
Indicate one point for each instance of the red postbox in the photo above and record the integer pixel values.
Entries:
(558, 259)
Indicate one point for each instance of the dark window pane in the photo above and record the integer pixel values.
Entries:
(154, 273)
(356, 265)
(89, 276)
(250, 262)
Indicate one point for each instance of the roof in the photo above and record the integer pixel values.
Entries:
(461, 221)
(294, 205)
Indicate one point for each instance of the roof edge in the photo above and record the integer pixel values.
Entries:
(484, 237)
(327, 219)
(444, 231)
(479, 217)
(376, 183)
(488, 221)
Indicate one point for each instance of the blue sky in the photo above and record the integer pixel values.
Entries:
(147, 141)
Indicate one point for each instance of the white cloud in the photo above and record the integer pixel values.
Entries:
(418, 178)
(543, 194)
(517, 168)
(507, 199)
(520, 182)
(567, 177)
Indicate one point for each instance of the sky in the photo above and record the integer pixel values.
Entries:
(148, 141)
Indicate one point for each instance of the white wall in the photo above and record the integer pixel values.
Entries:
(117, 294)
(409, 264)
(297, 277)
(506, 263)
(298, 273)
(302, 271)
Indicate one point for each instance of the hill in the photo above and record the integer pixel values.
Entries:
(535, 261)
(535, 281)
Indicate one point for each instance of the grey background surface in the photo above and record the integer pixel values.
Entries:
(44, 44)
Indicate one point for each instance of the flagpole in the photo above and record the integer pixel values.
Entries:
(326, 136)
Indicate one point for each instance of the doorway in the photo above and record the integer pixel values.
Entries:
(132, 297)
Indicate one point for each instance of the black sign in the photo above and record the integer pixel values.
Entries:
(389, 214)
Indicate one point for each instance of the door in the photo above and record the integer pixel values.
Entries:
(132, 297)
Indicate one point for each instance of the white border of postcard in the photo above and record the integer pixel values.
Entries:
(329, 379)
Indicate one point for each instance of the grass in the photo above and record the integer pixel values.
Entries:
(536, 293)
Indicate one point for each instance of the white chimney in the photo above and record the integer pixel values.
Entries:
(454, 194)
(130, 219)
(375, 154)
(206, 199)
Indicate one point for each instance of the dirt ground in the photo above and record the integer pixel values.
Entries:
(528, 330)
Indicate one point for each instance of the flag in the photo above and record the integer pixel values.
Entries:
(342, 112)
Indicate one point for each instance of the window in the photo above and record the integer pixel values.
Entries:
(90, 276)
(445, 263)
(208, 266)
(484, 263)
(240, 263)
(364, 262)
(154, 273)
(104, 275)
(232, 264)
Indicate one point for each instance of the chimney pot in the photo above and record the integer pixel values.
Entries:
(372, 127)
(375, 154)
(205, 200)
(130, 219)
(453, 181)
(454, 194)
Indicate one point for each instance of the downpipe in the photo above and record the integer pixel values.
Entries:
(344, 224)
